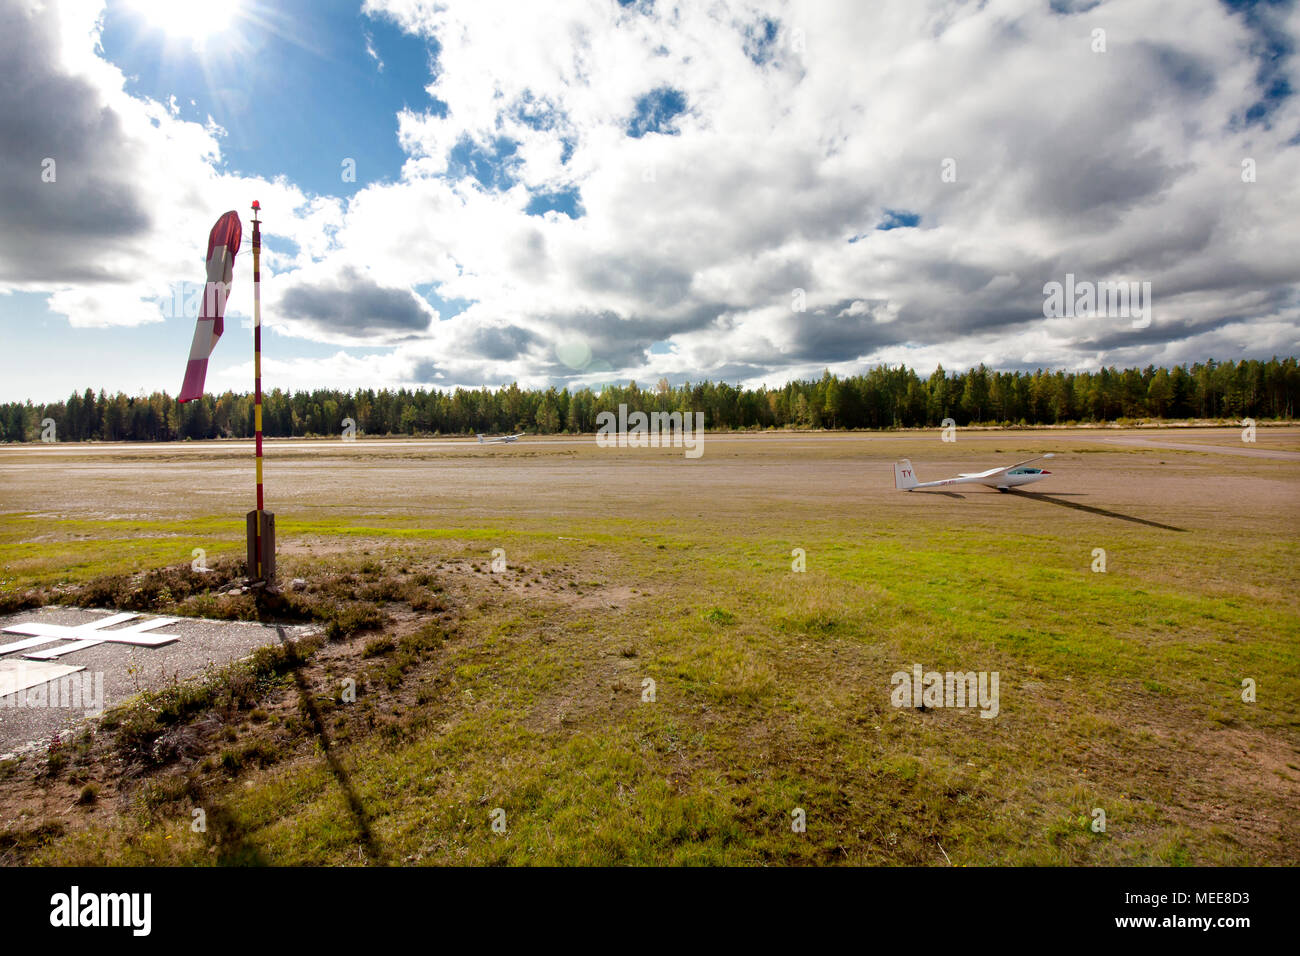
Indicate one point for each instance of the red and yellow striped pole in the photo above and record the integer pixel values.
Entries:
(257, 571)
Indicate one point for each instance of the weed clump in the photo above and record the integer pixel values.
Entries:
(379, 646)
(407, 654)
(139, 725)
(717, 615)
(422, 599)
(347, 619)
(11, 601)
(159, 589)
(258, 753)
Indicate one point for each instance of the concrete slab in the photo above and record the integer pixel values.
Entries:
(18, 676)
(32, 715)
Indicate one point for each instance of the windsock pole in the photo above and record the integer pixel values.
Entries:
(261, 523)
(257, 572)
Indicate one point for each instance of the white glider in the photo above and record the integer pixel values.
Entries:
(503, 438)
(1003, 479)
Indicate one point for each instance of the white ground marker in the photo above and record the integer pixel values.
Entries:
(17, 676)
(83, 636)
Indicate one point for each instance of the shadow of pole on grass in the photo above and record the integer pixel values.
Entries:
(359, 814)
(1062, 503)
(231, 840)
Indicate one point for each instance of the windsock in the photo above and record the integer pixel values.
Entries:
(223, 243)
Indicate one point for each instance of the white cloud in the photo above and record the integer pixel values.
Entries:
(1122, 164)
(373, 53)
(135, 185)
(1117, 164)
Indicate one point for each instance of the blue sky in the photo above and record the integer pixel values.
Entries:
(293, 86)
(751, 191)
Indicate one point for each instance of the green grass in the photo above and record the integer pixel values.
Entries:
(1119, 690)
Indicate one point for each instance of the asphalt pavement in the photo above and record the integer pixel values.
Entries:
(59, 700)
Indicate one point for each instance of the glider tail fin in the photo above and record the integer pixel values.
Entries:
(904, 476)
(480, 439)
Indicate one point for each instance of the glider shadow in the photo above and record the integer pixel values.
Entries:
(1060, 502)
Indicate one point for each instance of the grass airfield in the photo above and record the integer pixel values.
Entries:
(521, 690)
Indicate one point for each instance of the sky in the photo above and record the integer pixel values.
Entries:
(474, 193)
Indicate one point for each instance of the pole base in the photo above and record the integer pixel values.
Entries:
(261, 546)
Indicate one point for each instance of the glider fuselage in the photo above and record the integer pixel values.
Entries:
(1003, 479)
(1010, 479)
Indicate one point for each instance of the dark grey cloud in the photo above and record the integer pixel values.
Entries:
(53, 231)
(729, 372)
(653, 282)
(528, 257)
(620, 341)
(828, 336)
(1066, 7)
(500, 343)
(353, 305)
(1107, 334)
(1187, 72)
(426, 372)
(1069, 179)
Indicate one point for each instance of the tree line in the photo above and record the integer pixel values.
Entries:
(885, 397)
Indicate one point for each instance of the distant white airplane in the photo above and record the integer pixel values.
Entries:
(1003, 479)
(503, 439)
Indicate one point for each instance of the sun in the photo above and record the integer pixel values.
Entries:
(187, 19)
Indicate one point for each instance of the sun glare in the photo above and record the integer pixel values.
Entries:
(189, 19)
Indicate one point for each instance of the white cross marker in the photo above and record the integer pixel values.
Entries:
(87, 635)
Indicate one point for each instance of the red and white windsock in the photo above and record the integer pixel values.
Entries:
(223, 243)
